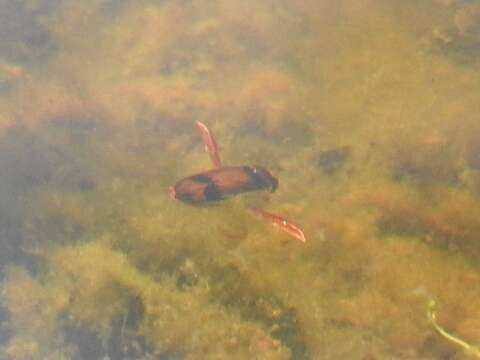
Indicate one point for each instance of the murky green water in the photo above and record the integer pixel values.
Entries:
(366, 111)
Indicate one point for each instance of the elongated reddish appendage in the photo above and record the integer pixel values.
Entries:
(210, 144)
(280, 222)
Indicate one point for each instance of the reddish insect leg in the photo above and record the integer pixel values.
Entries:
(280, 222)
(210, 144)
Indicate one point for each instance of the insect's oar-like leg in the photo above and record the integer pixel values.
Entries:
(280, 222)
(210, 144)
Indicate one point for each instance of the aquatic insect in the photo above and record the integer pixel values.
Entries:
(217, 184)
(225, 181)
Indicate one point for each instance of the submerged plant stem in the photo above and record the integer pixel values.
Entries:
(432, 317)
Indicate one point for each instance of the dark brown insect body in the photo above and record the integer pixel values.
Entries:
(225, 181)
(222, 182)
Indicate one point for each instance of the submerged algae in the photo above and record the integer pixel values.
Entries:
(98, 284)
(122, 266)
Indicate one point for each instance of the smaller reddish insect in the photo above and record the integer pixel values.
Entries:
(225, 181)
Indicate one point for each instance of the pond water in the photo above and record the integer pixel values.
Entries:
(365, 111)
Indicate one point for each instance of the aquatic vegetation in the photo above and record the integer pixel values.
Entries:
(458, 39)
(332, 160)
(365, 111)
(432, 317)
(95, 286)
(448, 218)
(467, 18)
(34, 314)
